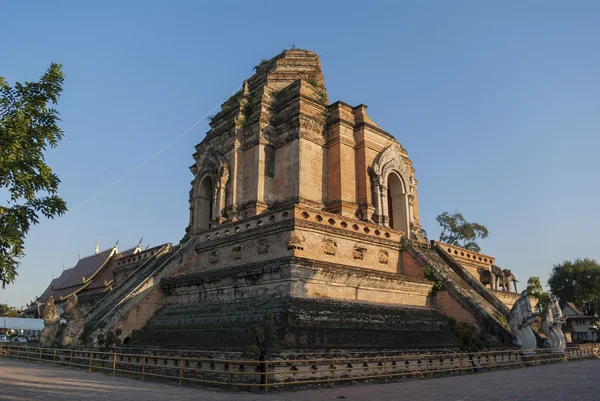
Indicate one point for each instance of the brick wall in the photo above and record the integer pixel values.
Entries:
(139, 315)
(410, 267)
(448, 306)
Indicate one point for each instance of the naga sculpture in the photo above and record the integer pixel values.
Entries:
(520, 319)
(75, 323)
(551, 326)
(51, 324)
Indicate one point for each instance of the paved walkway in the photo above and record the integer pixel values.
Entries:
(570, 381)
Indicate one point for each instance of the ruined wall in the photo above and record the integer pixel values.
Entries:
(448, 306)
(140, 313)
(315, 304)
(409, 266)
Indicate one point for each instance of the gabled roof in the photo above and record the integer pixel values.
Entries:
(84, 269)
(572, 306)
(80, 276)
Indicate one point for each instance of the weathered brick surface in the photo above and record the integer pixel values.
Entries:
(410, 267)
(448, 306)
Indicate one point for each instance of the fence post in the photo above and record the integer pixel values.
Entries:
(462, 370)
(385, 370)
(40, 359)
(90, 367)
(114, 363)
(54, 358)
(27, 357)
(181, 371)
(143, 367)
(229, 379)
(18, 351)
(266, 377)
(332, 367)
(70, 359)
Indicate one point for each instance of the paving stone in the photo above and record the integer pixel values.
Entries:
(567, 381)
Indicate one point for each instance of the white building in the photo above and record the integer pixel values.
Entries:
(580, 327)
(21, 326)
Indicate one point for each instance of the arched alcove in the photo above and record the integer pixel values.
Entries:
(397, 203)
(204, 204)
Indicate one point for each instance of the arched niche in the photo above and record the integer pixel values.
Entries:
(204, 203)
(393, 190)
(209, 192)
(397, 203)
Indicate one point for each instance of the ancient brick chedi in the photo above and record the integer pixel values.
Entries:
(308, 210)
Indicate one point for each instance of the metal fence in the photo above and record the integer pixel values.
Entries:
(234, 375)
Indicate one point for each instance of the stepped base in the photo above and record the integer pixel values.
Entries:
(315, 305)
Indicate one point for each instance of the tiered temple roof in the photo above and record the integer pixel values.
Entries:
(91, 275)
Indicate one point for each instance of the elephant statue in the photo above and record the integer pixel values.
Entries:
(498, 276)
(508, 277)
(487, 277)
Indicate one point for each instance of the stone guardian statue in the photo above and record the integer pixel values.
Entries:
(551, 326)
(75, 323)
(520, 319)
(51, 324)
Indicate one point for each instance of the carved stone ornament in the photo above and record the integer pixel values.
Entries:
(236, 252)
(520, 319)
(552, 321)
(296, 241)
(383, 257)
(390, 159)
(329, 246)
(262, 247)
(71, 336)
(213, 257)
(48, 337)
(359, 252)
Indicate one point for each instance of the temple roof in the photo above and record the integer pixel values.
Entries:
(84, 274)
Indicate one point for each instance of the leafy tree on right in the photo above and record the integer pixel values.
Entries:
(578, 282)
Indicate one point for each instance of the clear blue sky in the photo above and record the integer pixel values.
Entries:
(497, 104)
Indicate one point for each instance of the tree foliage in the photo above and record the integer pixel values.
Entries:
(8, 311)
(578, 282)
(457, 231)
(263, 340)
(28, 126)
(535, 289)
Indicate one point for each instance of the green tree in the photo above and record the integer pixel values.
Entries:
(8, 311)
(457, 231)
(535, 289)
(578, 282)
(28, 126)
(263, 343)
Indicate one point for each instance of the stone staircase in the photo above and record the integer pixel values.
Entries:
(129, 292)
(467, 291)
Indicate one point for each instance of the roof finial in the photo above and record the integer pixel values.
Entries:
(98, 245)
(138, 247)
(115, 247)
